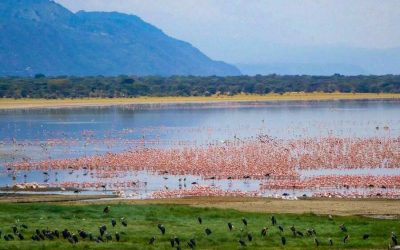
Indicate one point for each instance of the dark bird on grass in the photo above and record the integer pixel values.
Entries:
(24, 226)
(273, 220)
(394, 239)
(283, 240)
(152, 240)
(330, 242)
(106, 210)
(41, 236)
(90, 236)
(300, 234)
(293, 229)
(71, 240)
(264, 232)
(190, 245)
(1, 232)
(117, 236)
(124, 222)
(280, 228)
(244, 220)
(6, 238)
(57, 233)
(365, 236)
(75, 238)
(178, 247)
(113, 222)
(102, 230)
(207, 231)
(99, 239)
(193, 241)
(20, 236)
(242, 243)
(316, 242)
(162, 228)
(200, 220)
(15, 229)
(177, 240)
(35, 238)
(83, 234)
(345, 238)
(343, 228)
(172, 241)
(313, 231)
(66, 234)
(249, 236)
(230, 226)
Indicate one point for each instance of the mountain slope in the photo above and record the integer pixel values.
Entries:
(40, 36)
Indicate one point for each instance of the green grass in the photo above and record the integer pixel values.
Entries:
(182, 221)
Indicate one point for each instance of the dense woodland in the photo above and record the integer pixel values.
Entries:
(41, 86)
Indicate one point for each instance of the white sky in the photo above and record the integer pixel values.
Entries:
(237, 30)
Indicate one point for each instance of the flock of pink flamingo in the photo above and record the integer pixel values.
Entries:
(277, 164)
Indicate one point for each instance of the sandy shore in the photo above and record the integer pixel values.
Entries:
(6, 103)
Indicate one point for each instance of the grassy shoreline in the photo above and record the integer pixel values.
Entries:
(8, 103)
(181, 221)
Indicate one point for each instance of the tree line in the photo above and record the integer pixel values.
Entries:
(41, 86)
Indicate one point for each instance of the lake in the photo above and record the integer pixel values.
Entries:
(43, 134)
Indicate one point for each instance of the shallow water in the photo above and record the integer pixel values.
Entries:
(72, 132)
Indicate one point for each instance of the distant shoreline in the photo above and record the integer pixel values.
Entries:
(26, 103)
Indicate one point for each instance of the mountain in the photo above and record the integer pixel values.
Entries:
(41, 36)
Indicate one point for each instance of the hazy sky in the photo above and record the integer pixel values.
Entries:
(238, 31)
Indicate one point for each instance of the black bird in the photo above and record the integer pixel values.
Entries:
(124, 222)
(75, 238)
(117, 236)
(41, 236)
(207, 231)
(24, 226)
(280, 228)
(71, 240)
(343, 228)
(83, 234)
(172, 241)
(102, 231)
(242, 243)
(35, 238)
(273, 220)
(177, 240)
(20, 236)
(365, 236)
(193, 242)
(249, 236)
(108, 237)
(345, 238)
(316, 242)
(15, 229)
(330, 242)
(113, 222)
(293, 229)
(99, 239)
(200, 220)
(394, 239)
(283, 239)
(264, 232)
(152, 240)
(162, 228)
(230, 226)
(106, 210)
(6, 238)
(10, 236)
(57, 233)
(313, 231)
(66, 234)
(244, 220)
(190, 245)
(178, 247)
(300, 234)
(90, 236)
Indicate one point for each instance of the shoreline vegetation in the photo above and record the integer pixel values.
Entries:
(27, 103)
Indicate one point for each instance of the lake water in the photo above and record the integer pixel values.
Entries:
(72, 132)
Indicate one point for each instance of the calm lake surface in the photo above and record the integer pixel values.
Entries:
(72, 132)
